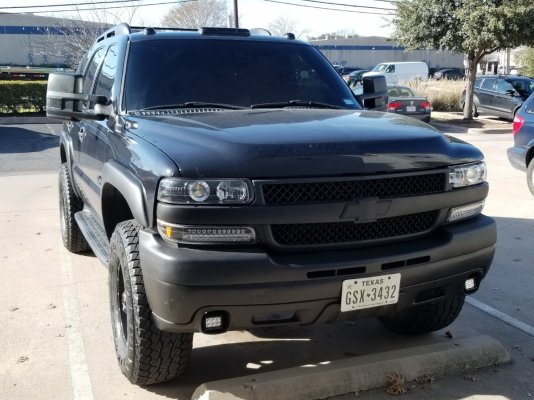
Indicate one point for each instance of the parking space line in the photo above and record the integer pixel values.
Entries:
(522, 326)
(79, 371)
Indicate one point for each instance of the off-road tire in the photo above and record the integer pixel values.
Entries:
(70, 204)
(145, 354)
(425, 318)
(530, 176)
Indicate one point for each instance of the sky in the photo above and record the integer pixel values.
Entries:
(314, 17)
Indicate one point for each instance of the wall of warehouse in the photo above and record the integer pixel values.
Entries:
(366, 52)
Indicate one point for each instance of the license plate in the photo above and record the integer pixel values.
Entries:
(376, 291)
(411, 108)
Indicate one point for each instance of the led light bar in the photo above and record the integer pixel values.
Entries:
(466, 211)
(201, 234)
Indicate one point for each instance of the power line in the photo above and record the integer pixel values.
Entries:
(347, 5)
(74, 5)
(328, 8)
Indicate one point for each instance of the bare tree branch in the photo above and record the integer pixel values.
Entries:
(197, 14)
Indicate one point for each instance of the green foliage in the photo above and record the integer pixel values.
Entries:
(18, 96)
(526, 60)
(474, 27)
(466, 26)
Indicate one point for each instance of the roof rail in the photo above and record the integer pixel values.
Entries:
(141, 28)
(121, 29)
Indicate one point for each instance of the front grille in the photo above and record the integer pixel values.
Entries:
(350, 232)
(349, 190)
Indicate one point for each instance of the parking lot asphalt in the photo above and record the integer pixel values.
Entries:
(55, 336)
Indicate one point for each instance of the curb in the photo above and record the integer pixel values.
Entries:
(355, 374)
(489, 131)
(27, 120)
(449, 128)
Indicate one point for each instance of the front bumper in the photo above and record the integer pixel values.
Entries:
(253, 287)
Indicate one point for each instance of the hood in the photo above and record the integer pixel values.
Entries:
(298, 143)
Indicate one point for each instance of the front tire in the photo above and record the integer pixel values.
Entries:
(70, 204)
(145, 354)
(425, 318)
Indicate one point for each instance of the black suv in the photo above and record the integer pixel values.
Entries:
(232, 181)
(500, 95)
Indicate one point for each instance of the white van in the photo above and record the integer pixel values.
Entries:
(402, 72)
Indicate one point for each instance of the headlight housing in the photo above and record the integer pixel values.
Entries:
(202, 234)
(205, 191)
(467, 174)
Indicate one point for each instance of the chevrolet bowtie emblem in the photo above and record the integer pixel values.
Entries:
(365, 210)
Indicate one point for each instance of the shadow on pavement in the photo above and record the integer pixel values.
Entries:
(22, 140)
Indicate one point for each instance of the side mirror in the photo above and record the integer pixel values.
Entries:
(375, 92)
(511, 92)
(64, 98)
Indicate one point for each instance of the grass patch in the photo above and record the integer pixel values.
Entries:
(443, 95)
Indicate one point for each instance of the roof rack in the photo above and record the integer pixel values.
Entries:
(125, 29)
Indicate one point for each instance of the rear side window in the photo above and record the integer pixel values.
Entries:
(91, 70)
(488, 83)
(106, 76)
(478, 82)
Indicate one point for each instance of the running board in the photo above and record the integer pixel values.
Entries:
(94, 234)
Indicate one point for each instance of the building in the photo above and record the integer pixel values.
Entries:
(366, 52)
(31, 40)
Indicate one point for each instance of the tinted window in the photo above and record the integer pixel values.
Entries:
(106, 76)
(390, 68)
(529, 104)
(523, 86)
(241, 73)
(488, 83)
(503, 86)
(91, 70)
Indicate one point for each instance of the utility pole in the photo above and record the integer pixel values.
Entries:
(236, 15)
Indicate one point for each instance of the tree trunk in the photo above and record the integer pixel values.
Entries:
(472, 61)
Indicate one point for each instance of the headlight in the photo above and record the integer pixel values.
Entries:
(205, 191)
(467, 175)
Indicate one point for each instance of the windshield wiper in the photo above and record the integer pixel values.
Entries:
(297, 103)
(193, 104)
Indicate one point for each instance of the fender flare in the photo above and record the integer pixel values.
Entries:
(127, 183)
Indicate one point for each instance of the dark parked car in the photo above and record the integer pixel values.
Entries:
(234, 182)
(450, 74)
(500, 95)
(521, 156)
(403, 100)
(355, 77)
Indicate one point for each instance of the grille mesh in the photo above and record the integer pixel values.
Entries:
(350, 232)
(339, 191)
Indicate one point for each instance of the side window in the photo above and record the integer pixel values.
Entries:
(92, 67)
(478, 82)
(487, 84)
(106, 76)
(390, 68)
(502, 86)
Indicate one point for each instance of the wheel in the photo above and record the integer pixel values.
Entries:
(425, 318)
(70, 204)
(145, 354)
(530, 176)
(475, 109)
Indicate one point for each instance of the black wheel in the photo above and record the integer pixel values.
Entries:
(425, 318)
(70, 204)
(146, 355)
(474, 107)
(530, 176)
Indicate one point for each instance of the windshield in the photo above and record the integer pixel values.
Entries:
(380, 68)
(238, 73)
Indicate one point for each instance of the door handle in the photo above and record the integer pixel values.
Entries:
(81, 134)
